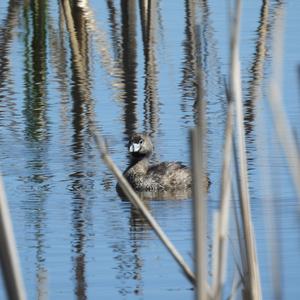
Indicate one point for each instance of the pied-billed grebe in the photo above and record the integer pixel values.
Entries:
(165, 176)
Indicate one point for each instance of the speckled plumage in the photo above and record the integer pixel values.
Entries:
(165, 176)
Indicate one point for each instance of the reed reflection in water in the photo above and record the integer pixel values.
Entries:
(131, 66)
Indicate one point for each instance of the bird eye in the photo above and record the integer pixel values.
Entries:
(141, 141)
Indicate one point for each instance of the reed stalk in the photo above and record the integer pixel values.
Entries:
(283, 129)
(235, 286)
(199, 184)
(242, 269)
(268, 194)
(236, 94)
(9, 259)
(222, 223)
(200, 211)
(138, 203)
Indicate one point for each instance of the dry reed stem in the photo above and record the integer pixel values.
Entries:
(126, 187)
(239, 222)
(268, 194)
(203, 290)
(266, 185)
(283, 128)
(200, 211)
(235, 286)
(138, 203)
(222, 226)
(215, 250)
(9, 259)
(236, 94)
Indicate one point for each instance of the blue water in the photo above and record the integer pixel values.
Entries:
(76, 238)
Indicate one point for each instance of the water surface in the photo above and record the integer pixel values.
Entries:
(76, 238)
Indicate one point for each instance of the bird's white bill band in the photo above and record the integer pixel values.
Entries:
(134, 147)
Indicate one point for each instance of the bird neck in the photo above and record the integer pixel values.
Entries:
(139, 164)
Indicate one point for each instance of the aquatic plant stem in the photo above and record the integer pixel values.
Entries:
(236, 94)
(199, 211)
(283, 129)
(9, 259)
(138, 203)
(202, 291)
(223, 216)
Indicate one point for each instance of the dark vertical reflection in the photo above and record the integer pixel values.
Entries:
(148, 16)
(8, 111)
(129, 266)
(200, 59)
(58, 50)
(36, 126)
(210, 62)
(35, 106)
(115, 29)
(36, 214)
(128, 256)
(138, 232)
(192, 78)
(257, 68)
(128, 19)
(78, 178)
(6, 35)
(79, 234)
(188, 83)
(82, 111)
